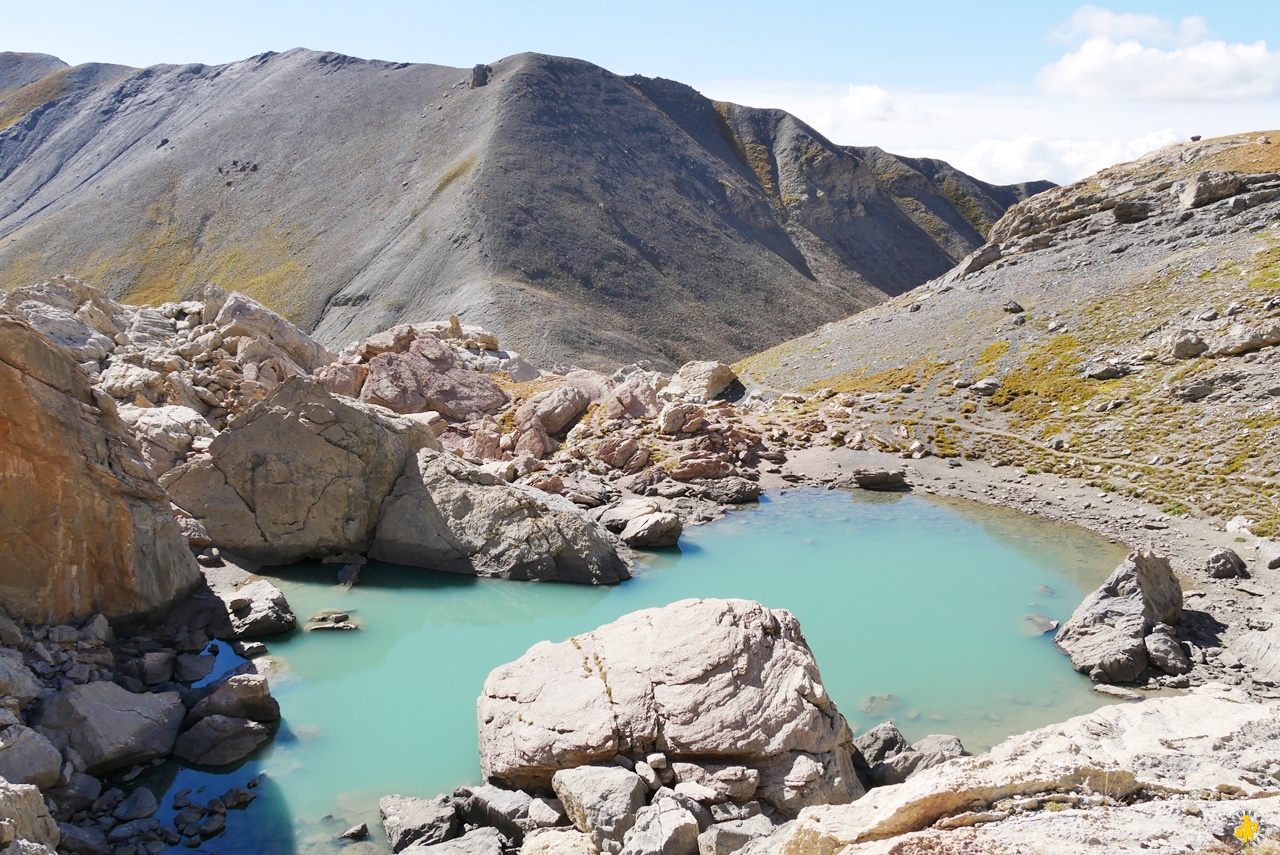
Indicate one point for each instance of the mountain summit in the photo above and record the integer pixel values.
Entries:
(584, 216)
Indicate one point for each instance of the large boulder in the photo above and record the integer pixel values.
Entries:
(720, 681)
(1105, 635)
(302, 474)
(701, 381)
(427, 375)
(447, 514)
(109, 726)
(70, 468)
(241, 315)
(24, 816)
(1215, 739)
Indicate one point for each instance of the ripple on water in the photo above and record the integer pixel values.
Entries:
(916, 610)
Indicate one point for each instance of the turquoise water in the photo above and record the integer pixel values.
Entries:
(897, 594)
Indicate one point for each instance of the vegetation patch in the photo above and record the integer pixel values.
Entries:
(455, 172)
(1048, 382)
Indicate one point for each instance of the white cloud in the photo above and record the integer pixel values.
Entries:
(1094, 22)
(1102, 69)
(869, 103)
(1145, 57)
(1008, 161)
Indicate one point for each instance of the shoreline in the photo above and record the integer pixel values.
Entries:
(1219, 611)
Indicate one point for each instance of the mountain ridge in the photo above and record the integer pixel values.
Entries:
(586, 217)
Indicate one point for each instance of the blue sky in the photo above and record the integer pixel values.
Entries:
(1007, 91)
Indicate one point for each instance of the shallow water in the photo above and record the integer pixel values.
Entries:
(897, 594)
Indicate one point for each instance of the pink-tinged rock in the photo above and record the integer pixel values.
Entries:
(396, 381)
(636, 397)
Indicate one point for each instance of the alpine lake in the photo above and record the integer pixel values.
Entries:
(916, 610)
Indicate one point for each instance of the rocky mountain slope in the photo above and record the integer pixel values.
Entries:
(1120, 330)
(583, 216)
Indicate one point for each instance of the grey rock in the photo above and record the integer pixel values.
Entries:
(220, 740)
(882, 741)
(1224, 563)
(662, 828)
(80, 792)
(444, 514)
(1166, 653)
(263, 610)
(355, 832)
(191, 668)
(1209, 186)
(408, 820)
(16, 679)
(27, 757)
(1104, 636)
(880, 479)
(601, 801)
(109, 726)
(83, 840)
(139, 804)
(724, 838)
(652, 530)
(1185, 344)
(480, 841)
(505, 810)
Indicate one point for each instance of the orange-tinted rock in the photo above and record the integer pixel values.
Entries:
(86, 529)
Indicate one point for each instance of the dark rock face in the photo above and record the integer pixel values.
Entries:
(574, 212)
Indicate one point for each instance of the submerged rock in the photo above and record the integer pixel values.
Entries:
(700, 679)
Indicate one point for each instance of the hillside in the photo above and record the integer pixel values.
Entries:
(1120, 329)
(583, 216)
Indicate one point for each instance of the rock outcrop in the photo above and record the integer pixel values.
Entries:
(722, 681)
(1213, 740)
(301, 475)
(68, 468)
(24, 817)
(1106, 635)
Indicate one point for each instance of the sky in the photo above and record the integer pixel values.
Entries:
(1005, 91)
